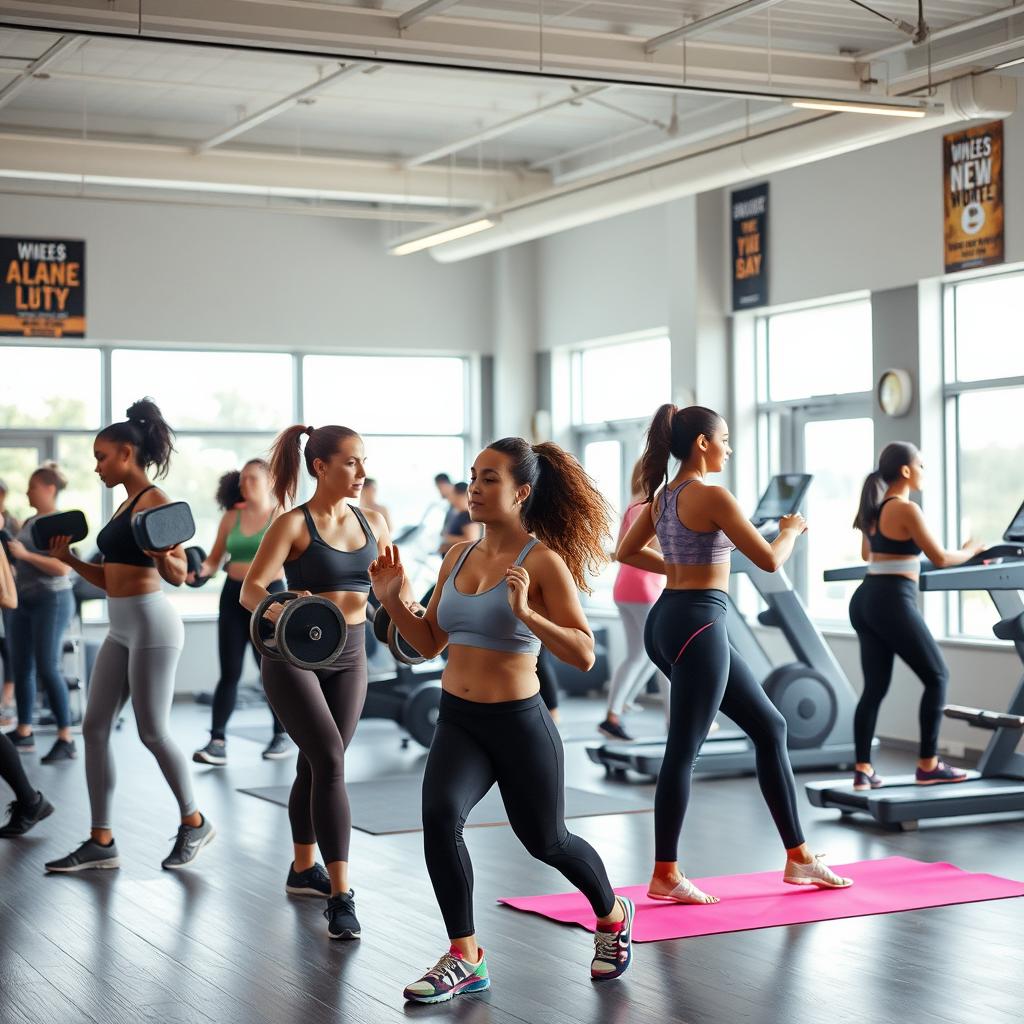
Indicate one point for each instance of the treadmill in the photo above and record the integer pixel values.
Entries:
(998, 783)
(812, 692)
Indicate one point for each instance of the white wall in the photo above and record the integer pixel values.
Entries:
(159, 272)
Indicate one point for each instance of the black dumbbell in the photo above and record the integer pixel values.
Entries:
(194, 558)
(310, 632)
(163, 526)
(59, 524)
(401, 650)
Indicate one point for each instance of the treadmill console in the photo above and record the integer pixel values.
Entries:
(782, 497)
(1014, 533)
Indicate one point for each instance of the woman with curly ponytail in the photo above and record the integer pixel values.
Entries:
(698, 525)
(139, 657)
(495, 602)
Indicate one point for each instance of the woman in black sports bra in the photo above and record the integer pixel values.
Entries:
(325, 547)
(884, 612)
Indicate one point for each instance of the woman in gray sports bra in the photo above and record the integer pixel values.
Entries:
(325, 547)
(495, 603)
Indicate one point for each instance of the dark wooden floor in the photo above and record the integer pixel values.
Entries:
(222, 943)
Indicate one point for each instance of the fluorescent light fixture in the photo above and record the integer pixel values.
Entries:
(850, 106)
(440, 237)
(1009, 64)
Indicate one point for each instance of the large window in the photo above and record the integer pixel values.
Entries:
(814, 372)
(616, 389)
(984, 441)
(226, 407)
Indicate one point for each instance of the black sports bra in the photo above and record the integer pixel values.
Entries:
(882, 545)
(117, 542)
(321, 569)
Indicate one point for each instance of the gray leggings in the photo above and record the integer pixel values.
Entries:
(137, 660)
(635, 668)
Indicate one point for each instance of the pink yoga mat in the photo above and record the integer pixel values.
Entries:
(763, 900)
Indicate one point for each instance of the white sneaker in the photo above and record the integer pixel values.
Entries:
(817, 873)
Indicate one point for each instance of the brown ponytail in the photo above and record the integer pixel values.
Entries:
(286, 453)
(564, 510)
(673, 433)
(51, 475)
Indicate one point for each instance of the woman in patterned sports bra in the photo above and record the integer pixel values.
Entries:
(249, 509)
(496, 601)
(698, 525)
(884, 612)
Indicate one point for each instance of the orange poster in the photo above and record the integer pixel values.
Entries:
(42, 288)
(972, 175)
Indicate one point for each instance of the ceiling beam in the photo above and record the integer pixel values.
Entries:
(427, 9)
(503, 127)
(730, 14)
(261, 116)
(63, 46)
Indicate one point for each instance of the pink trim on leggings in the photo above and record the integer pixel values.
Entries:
(692, 638)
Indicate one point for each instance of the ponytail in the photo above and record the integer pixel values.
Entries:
(147, 432)
(286, 454)
(564, 508)
(51, 474)
(890, 465)
(229, 494)
(673, 433)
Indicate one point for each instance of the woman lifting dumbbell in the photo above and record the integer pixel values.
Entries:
(698, 526)
(496, 601)
(884, 612)
(138, 658)
(249, 510)
(325, 547)
(45, 607)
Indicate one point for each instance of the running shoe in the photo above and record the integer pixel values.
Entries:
(62, 750)
(866, 780)
(313, 881)
(23, 817)
(342, 922)
(278, 748)
(942, 772)
(88, 856)
(25, 744)
(613, 945)
(817, 873)
(451, 976)
(614, 731)
(215, 752)
(187, 844)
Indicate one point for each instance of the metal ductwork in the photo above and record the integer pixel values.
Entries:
(584, 202)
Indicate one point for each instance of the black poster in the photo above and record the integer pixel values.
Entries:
(42, 288)
(750, 247)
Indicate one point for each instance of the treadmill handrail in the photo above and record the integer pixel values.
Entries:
(1004, 575)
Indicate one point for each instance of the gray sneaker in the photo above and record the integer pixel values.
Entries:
(215, 752)
(278, 748)
(88, 856)
(187, 844)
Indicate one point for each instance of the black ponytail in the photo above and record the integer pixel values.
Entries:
(890, 465)
(673, 433)
(147, 432)
(229, 493)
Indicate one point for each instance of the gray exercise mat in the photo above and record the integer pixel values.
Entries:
(389, 806)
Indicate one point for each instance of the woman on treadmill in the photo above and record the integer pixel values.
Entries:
(884, 612)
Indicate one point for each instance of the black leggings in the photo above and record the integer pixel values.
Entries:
(232, 640)
(12, 772)
(686, 638)
(884, 613)
(515, 744)
(320, 710)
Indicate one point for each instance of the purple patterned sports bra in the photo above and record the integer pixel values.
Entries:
(682, 546)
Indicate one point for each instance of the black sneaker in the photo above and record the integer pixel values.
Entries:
(614, 731)
(88, 856)
(23, 817)
(187, 844)
(62, 750)
(25, 744)
(278, 748)
(215, 752)
(312, 882)
(341, 916)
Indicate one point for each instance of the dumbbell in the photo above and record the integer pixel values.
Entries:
(400, 648)
(59, 524)
(163, 526)
(194, 558)
(310, 632)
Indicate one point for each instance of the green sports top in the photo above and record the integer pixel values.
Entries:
(242, 547)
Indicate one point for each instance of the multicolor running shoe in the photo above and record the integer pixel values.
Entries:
(613, 945)
(451, 976)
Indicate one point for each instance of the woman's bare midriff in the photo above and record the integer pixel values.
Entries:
(698, 577)
(352, 605)
(122, 580)
(489, 677)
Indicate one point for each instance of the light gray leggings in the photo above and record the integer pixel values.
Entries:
(137, 660)
(635, 668)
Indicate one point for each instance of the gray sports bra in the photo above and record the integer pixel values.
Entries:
(485, 619)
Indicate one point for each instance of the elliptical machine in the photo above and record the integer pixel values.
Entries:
(812, 692)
